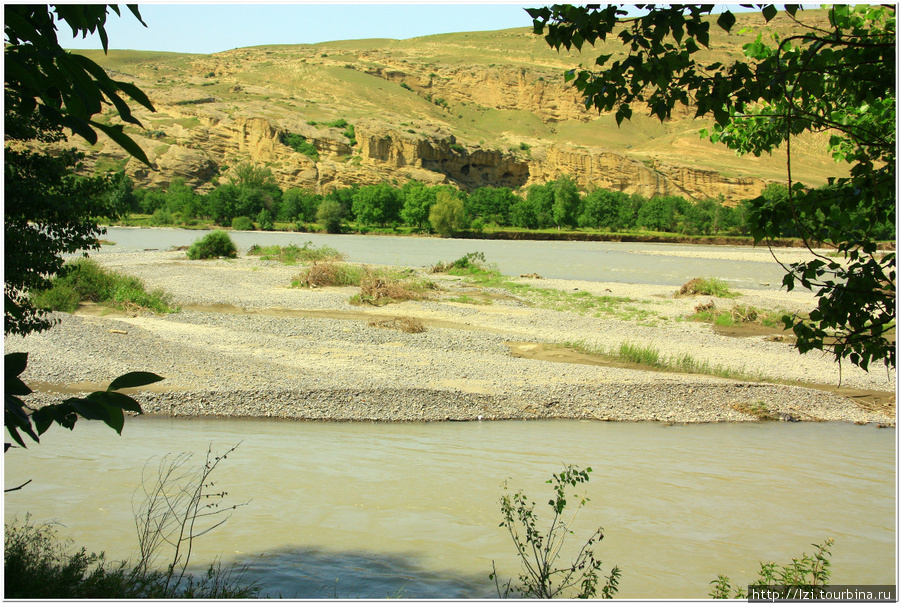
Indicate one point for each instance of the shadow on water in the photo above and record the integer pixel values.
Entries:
(315, 573)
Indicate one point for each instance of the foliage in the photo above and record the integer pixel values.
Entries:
(264, 219)
(838, 79)
(706, 286)
(67, 90)
(300, 144)
(48, 212)
(330, 274)
(418, 199)
(378, 288)
(291, 254)
(298, 204)
(379, 204)
(85, 280)
(491, 204)
(213, 245)
(800, 579)
(242, 223)
(107, 406)
(331, 215)
(566, 202)
(539, 552)
(448, 214)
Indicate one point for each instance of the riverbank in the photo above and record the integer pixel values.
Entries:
(247, 344)
(528, 235)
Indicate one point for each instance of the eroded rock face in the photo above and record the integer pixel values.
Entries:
(383, 153)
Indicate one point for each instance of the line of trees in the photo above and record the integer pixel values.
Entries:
(254, 197)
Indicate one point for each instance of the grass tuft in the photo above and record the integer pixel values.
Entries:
(330, 274)
(85, 280)
(292, 254)
(737, 315)
(706, 286)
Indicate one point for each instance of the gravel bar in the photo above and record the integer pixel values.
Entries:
(247, 344)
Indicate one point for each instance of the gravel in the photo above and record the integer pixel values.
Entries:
(275, 351)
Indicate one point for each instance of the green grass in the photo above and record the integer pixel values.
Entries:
(473, 268)
(707, 286)
(85, 280)
(738, 315)
(650, 357)
(465, 299)
(292, 254)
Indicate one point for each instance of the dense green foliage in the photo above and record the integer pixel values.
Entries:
(557, 204)
(838, 79)
(213, 245)
(448, 214)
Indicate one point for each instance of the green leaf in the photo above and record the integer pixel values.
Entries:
(726, 20)
(116, 400)
(123, 140)
(134, 379)
(15, 364)
(89, 409)
(769, 12)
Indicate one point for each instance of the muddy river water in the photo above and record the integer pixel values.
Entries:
(374, 510)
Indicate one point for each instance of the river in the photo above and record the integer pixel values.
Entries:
(374, 510)
(363, 510)
(576, 260)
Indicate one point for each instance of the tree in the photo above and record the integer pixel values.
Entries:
(566, 202)
(600, 208)
(838, 80)
(48, 210)
(448, 214)
(417, 202)
(491, 204)
(379, 204)
(331, 215)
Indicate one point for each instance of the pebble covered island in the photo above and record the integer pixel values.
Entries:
(246, 343)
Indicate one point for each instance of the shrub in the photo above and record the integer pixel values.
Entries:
(330, 274)
(804, 578)
(242, 223)
(215, 244)
(379, 289)
(161, 217)
(85, 280)
(292, 253)
(704, 286)
(539, 552)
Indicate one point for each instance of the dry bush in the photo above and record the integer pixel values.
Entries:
(330, 274)
(380, 290)
(407, 324)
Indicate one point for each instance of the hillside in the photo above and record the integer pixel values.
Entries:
(471, 109)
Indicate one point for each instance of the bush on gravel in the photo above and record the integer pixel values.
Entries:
(85, 280)
(215, 244)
